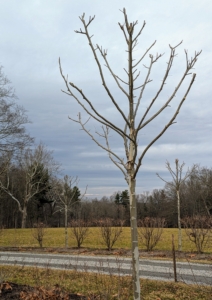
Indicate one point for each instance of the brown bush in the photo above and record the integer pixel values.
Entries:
(38, 232)
(150, 231)
(110, 231)
(198, 229)
(79, 231)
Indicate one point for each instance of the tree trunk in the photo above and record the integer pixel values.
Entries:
(24, 216)
(179, 223)
(134, 240)
(66, 226)
(133, 220)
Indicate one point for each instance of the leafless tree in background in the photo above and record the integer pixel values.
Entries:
(66, 191)
(36, 165)
(204, 176)
(133, 118)
(13, 117)
(178, 180)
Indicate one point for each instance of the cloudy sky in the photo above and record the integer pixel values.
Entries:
(34, 34)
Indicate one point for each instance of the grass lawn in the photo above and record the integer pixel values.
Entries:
(103, 286)
(54, 237)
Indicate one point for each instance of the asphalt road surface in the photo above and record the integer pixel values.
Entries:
(151, 269)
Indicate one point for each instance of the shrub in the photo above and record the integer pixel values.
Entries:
(150, 231)
(79, 231)
(38, 232)
(198, 229)
(110, 231)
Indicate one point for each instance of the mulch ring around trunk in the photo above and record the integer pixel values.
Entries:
(10, 290)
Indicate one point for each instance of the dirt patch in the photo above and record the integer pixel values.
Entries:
(9, 290)
(155, 254)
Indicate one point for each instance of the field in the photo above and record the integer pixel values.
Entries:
(94, 286)
(54, 237)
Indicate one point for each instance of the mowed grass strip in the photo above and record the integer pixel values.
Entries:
(54, 237)
(103, 286)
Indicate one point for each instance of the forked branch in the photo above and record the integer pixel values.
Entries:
(101, 119)
(99, 65)
(190, 65)
(166, 127)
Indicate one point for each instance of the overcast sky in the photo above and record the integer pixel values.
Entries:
(34, 34)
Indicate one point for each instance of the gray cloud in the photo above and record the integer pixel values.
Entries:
(35, 33)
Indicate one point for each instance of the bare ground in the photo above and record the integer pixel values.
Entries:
(9, 290)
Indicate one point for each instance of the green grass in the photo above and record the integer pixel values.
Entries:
(105, 286)
(54, 237)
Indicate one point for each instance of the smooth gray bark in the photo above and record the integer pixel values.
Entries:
(134, 119)
(66, 225)
(179, 222)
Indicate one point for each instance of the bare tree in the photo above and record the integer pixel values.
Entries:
(133, 120)
(12, 119)
(178, 180)
(36, 166)
(150, 231)
(66, 191)
(204, 176)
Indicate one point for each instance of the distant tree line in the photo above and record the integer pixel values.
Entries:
(46, 206)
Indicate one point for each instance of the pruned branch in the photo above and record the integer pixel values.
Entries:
(101, 119)
(144, 85)
(104, 53)
(191, 63)
(144, 55)
(139, 33)
(166, 127)
(169, 65)
(100, 68)
(125, 35)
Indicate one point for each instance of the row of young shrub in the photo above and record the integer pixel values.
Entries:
(150, 230)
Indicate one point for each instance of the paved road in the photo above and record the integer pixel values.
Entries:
(152, 269)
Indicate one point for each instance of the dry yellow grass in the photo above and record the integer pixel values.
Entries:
(111, 287)
(54, 237)
(104, 286)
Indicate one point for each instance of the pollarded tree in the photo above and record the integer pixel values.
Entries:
(133, 119)
(178, 180)
(68, 194)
